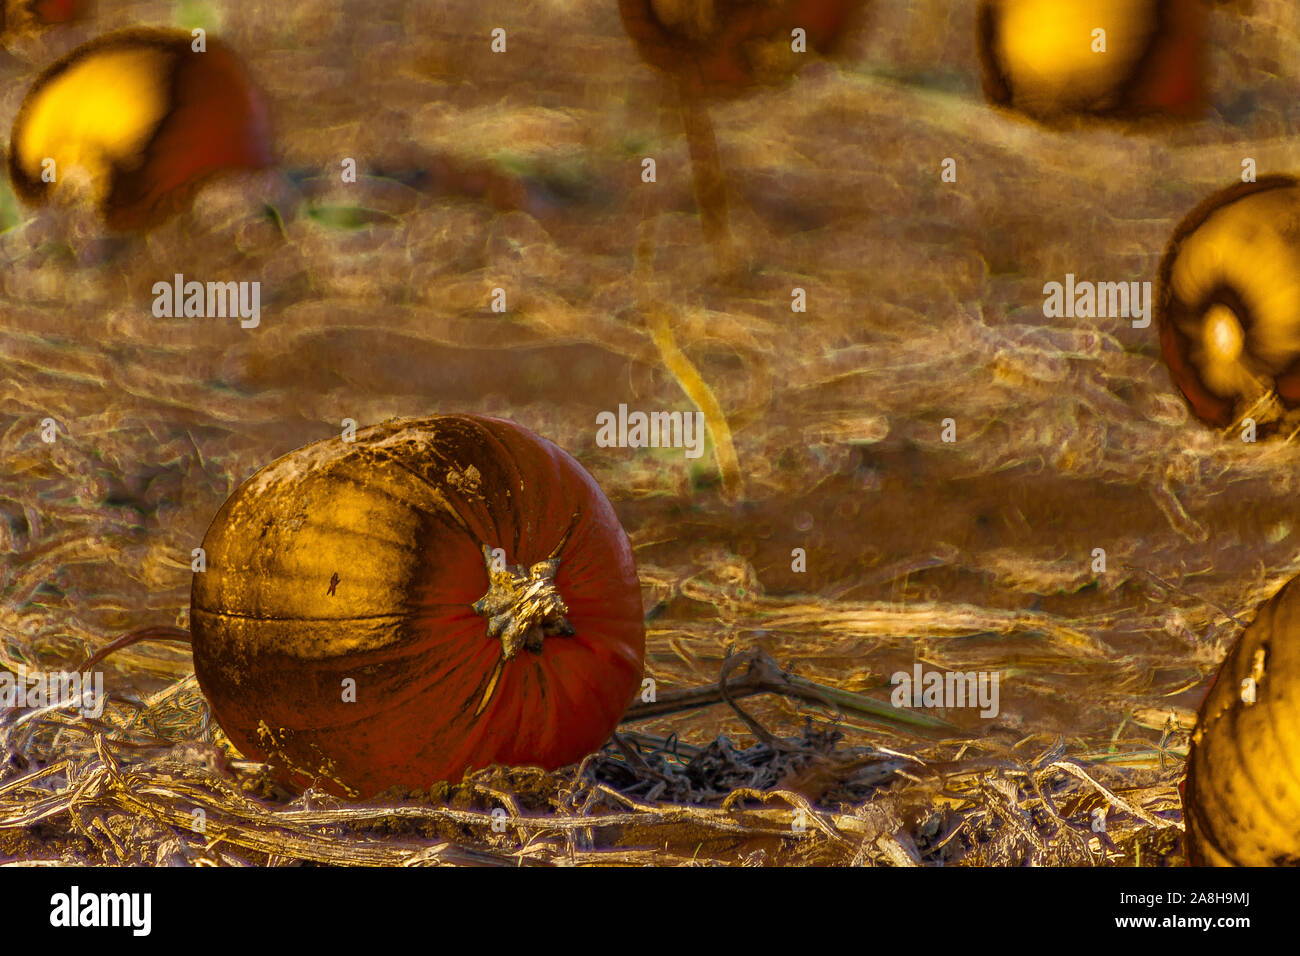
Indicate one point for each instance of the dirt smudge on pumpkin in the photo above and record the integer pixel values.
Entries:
(467, 481)
(275, 744)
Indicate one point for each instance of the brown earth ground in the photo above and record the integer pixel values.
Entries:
(521, 171)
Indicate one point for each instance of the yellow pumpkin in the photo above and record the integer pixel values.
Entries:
(1241, 797)
(1228, 304)
(139, 118)
(1052, 57)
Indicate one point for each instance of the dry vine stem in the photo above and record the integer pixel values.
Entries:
(764, 676)
(179, 635)
(679, 366)
(710, 181)
(699, 392)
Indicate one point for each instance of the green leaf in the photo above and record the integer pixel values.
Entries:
(11, 213)
(195, 13)
(346, 217)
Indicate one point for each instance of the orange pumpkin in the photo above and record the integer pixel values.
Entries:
(1042, 57)
(141, 115)
(436, 596)
(1241, 797)
(1228, 303)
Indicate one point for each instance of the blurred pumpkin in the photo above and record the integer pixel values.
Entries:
(723, 48)
(373, 560)
(143, 117)
(20, 17)
(1228, 302)
(1241, 796)
(58, 11)
(1040, 56)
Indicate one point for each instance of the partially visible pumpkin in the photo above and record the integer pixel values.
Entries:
(26, 17)
(1041, 56)
(143, 118)
(1241, 797)
(372, 561)
(725, 47)
(712, 49)
(1228, 302)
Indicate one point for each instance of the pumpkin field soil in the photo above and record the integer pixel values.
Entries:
(521, 171)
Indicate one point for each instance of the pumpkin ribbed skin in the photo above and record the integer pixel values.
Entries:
(1037, 56)
(1228, 302)
(364, 560)
(145, 117)
(1241, 797)
(724, 47)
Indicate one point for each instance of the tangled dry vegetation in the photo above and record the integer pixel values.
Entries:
(925, 303)
(149, 785)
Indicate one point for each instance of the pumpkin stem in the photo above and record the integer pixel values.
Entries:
(522, 605)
